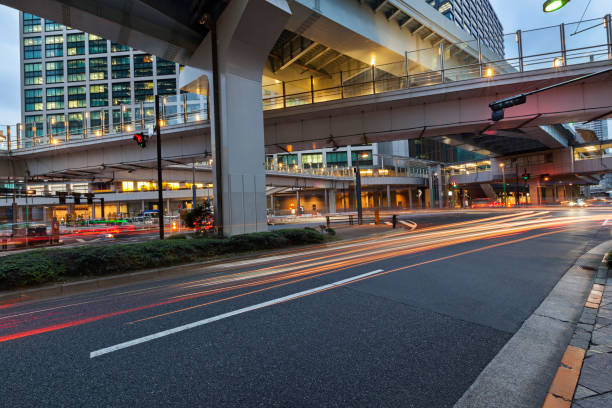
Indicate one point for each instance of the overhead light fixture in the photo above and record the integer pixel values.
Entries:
(553, 5)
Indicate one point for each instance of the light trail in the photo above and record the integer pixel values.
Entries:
(313, 263)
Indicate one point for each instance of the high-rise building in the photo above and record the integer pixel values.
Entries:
(599, 127)
(73, 81)
(477, 17)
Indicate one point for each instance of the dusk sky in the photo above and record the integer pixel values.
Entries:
(513, 14)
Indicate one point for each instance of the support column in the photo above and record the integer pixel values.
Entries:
(388, 196)
(245, 33)
(332, 200)
(410, 198)
(326, 201)
(117, 209)
(534, 193)
(297, 203)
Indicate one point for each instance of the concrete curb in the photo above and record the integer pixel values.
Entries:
(521, 373)
(563, 387)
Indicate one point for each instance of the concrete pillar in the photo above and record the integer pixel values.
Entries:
(440, 187)
(297, 203)
(246, 31)
(410, 198)
(142, 205)
(534, 193)
(93, 210)
(332, 200)
(325, 199)
(117, 209)
(168, 206)
(388, 196)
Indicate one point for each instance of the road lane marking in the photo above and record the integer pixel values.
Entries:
(605, 222)
(178, 329)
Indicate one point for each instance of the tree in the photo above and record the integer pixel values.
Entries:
(199, 218)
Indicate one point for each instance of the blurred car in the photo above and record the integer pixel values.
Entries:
(485, 202)
(575, 203)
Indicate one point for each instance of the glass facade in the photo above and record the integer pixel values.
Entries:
(32, 48)
(33, 100)
(31, 24)
(75, 44)
(143, 65)
(120, 67)
(55, 98)
(32, 74)
(55, 72)
(80, 74)
(54, 46)
(97, 45)
(336, 159)
(76, 70)
(312, 160)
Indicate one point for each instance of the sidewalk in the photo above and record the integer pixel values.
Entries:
(594, 388)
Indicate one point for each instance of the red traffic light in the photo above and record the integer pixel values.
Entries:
(140, 139)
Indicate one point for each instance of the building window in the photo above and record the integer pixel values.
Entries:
(336, 159)
(143, 91)
(76, 97)
(98, 69)
(121, 93)
(96, 119)
(165, 67)
(127, 118)
(33, 100)
(75, 123)
(76, 70)
(116, 47)
(143, 65)
(53, 26)
(55, 98)
(166, 86)
(31, 23)
(98, 95)
(33, 124)
(31, 48)
(55, 72)
(368, 161)
(312, 160)
(97, 45)
(75, 44)
(54, 46)
(287, 160)
(120, 67)
(56, 124)
(32, 74)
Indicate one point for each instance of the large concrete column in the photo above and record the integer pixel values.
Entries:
(246, 31)
(388, 196)
(410, 198)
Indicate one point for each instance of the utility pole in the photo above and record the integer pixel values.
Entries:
(160, 196)
(193, 186)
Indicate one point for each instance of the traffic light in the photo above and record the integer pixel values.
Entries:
(453, 184)
(498, 107)
(525, 176)
(140, 139)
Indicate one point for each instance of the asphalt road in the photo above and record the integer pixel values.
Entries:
(408, 320)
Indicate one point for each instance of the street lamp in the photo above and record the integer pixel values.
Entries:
(503, 168)
(361, 155)
(553, 5)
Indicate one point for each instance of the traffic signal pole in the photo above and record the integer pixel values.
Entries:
(160, 197)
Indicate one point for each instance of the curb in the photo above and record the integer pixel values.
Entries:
(562, 389)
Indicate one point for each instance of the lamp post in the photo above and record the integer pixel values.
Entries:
(364, 155)
(502, 165)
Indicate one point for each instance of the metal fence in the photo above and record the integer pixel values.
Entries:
(548, 47)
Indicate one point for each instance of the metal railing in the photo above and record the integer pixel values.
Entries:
(348, 172)
(95, 124)
(549, 47)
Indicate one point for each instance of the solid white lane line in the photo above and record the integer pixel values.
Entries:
(178, 329)
(605, 222)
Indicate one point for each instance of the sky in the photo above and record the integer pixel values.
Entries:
(513, 14)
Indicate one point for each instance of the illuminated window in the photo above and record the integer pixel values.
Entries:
(33, 100)
(165, 67)
(55, 72)
(166, 86)
(120, 67)
(127, 186)
(76, 70)
(98, 95)
(53, 26)
(97, 45)
(54, 46)
(32, 74)
(31, 23)
(143, 65)
(444, 7)
(116, 47)
(32, 48)
(55, 98)
(143, 91)
(122, 93)
(76, 97)
(98, 69)
(312, 160)
(75, 44)
(33, 124)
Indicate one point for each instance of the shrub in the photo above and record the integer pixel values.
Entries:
(53, 265)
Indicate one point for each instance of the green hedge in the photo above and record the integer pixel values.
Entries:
(53, 265)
